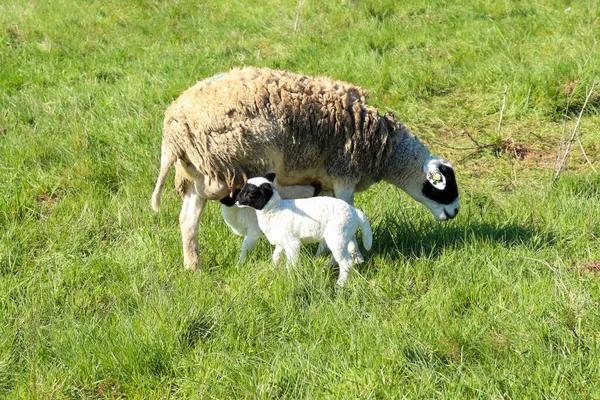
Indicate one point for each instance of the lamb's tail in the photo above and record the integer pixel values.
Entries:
(367, 234)
(167, 158)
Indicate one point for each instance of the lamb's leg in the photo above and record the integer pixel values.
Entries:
(189, 219)
(292, 252)
(330, 263)
(277, 255)
(340, 252)
(321, 249)
(345, 267)
(249, 244)
(345, 191)
(356, 256)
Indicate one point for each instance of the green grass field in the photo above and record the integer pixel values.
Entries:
(502, 302)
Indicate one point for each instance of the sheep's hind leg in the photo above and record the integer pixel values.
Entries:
(189, 219)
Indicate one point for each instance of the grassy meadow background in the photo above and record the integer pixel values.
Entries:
(502, 302)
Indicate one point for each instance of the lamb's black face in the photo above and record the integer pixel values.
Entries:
(229, 201)
(255, 194)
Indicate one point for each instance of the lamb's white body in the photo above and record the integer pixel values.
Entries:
(243, 220)
(290, 223)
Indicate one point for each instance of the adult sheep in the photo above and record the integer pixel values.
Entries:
(250, 121)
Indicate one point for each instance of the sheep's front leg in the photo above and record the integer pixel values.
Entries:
(189, 219)
(345, 191)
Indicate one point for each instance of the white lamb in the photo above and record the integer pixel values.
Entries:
(289, 223)
(243, 220)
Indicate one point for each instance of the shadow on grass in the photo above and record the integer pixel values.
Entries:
(395, 238)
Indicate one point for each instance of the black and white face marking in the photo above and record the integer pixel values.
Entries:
(441, 186)
(256, 193)
(435, 187)
(440, 189)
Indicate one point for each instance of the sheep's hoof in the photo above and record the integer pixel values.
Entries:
(192, 266)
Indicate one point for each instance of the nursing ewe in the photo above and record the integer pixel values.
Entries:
(248, 122)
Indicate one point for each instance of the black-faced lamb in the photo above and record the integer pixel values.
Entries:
(243, 221)
(290, 223)
(250, 121)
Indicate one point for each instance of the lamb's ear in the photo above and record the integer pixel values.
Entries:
(270, 176)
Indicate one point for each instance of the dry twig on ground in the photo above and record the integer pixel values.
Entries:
(300, 4)
(574, 135)
(502, 110)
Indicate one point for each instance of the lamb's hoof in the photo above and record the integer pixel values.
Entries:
(340, 283)
(358, 258)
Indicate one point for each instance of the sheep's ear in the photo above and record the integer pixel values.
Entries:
(391, 121)
(435, 177)
(270, 176)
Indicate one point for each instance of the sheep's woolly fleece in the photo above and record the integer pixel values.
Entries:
(229, 126)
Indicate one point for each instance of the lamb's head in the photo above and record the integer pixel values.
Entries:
(229, 200)
(256, 193)
(434, 185)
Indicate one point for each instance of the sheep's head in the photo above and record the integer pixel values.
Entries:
(435, 187)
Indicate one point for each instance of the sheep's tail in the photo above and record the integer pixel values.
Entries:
(167, 158)
(367, 234)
